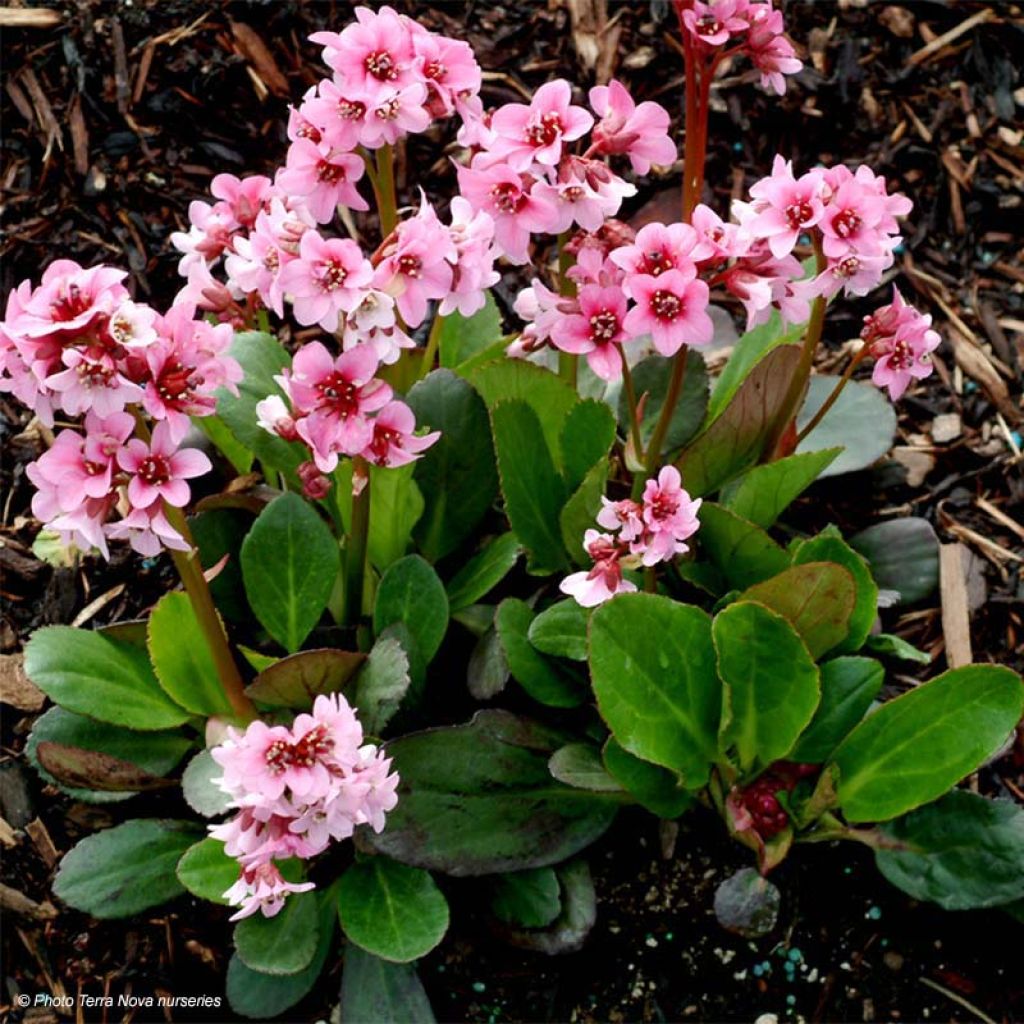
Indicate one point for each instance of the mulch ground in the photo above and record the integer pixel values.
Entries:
(116, 115)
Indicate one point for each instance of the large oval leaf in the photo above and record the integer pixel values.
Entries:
(660, 699)
(283, 944)
(411, 593)
(483, 572)
(374, 991)
(529, 899)
(125, 869)
(478, 798)
(587, 436)
(207, 871)
(296, 681)
(290, 562)
(763, 493)
(462, 337)
(391, 910)
(771, 683)
(90, 674)
(658, 789)
(903, 555)
(740, 550)
(914, 748)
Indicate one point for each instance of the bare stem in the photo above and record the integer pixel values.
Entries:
(675, 389)
(355, 560)
(387, 205)
(634, 412)
(567, 362)
(836, 392)
(433, 341)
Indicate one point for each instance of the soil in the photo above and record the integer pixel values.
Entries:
(118, 116)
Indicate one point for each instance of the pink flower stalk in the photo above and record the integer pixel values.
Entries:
(670, 517)
(596, 331)
(639, 132)
(671, 308)
(326, 280)
(395, 442)
(604, 580)
(160, 470)
(901, 341)
(324, 178)
(535, 133)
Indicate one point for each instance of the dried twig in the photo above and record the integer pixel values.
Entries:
(956, 626)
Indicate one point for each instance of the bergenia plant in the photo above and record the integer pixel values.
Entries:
(389, 446)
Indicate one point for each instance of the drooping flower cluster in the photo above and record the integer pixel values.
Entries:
(752, 28)
(296, 790)
(901, 341)
(756, 808)
(643, 532)
(78, 345)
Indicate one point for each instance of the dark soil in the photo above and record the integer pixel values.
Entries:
(133, 138)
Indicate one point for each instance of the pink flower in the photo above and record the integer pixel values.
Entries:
(714, 23)
(535, 133)
(640, 132)
(624, 516)
(596, 331)
(448, 69)
(275, 417)
(670, 517)
(852, 221)
(394, 441)
(585, 193)
(901, 340)
(160, 470)
(472, 234)
(245, 197)
(394, 113)
(68, 302)
(373, 54)
(771, 52)
(604, 580)
(786, 206)
(333, 116)
(658, 248)
(261, 887)
(671, 308)
(542, 307)
(91, 384)
(147, 531)
(324, 178)
(326, 280)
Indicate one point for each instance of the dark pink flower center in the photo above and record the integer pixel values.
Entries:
(332, 275)
(604, 326)
(94, 375)
(176, 382)
(666, 305)
(848, 266)
(381, 65)
(708, 25)
(383, 439)
(545, 130)
(306, 130)
(330, 173)
(434, 70)
(798, 214)
(507, 197)
(846, 223)
(351, 110)
(305, 753)
(656, 262)
(339, 394)
(410, 265)
(73, 303)
(153, 469)
(902, 356)
(389, 109)
(663, 505)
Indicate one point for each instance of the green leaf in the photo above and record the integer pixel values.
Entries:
(198, 788)
(771, 683)
(651, 378)
(456, 475)
(580, 765)
(534, 492)
(829, 546)
(580, 511)
(182, 658)
(483, 572)
(863, 422)
(262, 357)
(743, 552)
(487, 673)
(746, 354)
(381, 684)
(478, 798)
(154, 752)
(547, 394)
(736, 438)
(816, 599)
(914, 748)
(543, 679)
(561, 630)
(391, 910)
(225, 442)
(374, 991)
(888, 645)
(763, 493)
(283, 944)
(587, 436)
(207, 871)
(658, 789)
(125, 869)
(395, 509)
(290, 561)
(296, 681)
(462, 337)
(661, 699)
(91, 770)
(218, 533)
(411, 593)
(108, 680)
(848, 686)
(903, 555)
(962, 852)
(529, 899)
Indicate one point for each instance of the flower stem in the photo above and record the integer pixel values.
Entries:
(836, 392)
(567, 362)
(355, 561)
(433, 341)
(387, 204)
(675, 389)
(634, 413)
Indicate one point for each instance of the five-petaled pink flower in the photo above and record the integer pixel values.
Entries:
(327, 280)
(160, 469)
(671, 308)
(596, 331)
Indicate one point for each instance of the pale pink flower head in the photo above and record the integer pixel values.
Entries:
(714, 23)
(624, 516)
(395, 442)
(330, 116)
(323, 177)
(543, 308)
(640, 132)
(262, 888)
(853, 221)
(786, 206)
(373, 54)
(658, 248)
(604, 580)
(381, 784)
(472, 234)
(901, 340)
(148, 531)
(769, 50)
(245, 197)
(160, 470)
(393, 114)
(721, 240)
(91, 384)
(671, 308)
(274, 416)
(68, 302)
(585, 192)
(670, 517)
(448, 69)
(535, 133)
(596, 331)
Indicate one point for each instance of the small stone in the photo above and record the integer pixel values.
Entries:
(946, 428)
(893, 960)
(479, 986)
(767, 1018)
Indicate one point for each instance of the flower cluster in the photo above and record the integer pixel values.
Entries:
(643, 532)
(78, 345)
(901, 340)
(753, 28)
(756, 808)
(296, 789)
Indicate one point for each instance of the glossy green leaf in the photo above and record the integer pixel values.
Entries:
(125, 869)
(658, 789)
(225, 442)
(848, 686)
(395, 509)
(661, 700)
(456, 475)
(207, 871)
(914, 748)
(283, 944)
(296, 681)
(381, 684)
(487, 673)
(771, 683)
(218, 534)
(587, 436)
(375, 991)
(903, 555)
(544, 680)
(651, 378)
(817, 600)
(411, 593)
(579, 512)
(863, 422)
(763, 493)
(462, 337)
(483, 572)
(580, 765)
(534, 492)
(888, 645)
(290, 561)
(529, 899)
(391, 910)
(741, 551)
(198, 788)
(91, 674)
(561, 630)
(478, 798)
(962, 852)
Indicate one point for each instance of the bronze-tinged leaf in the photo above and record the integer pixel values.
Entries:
(91, 769)
(296, 681)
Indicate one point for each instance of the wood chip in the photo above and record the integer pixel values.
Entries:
(29, 17)
(946, 428)
(956, 624)
(256, 52)
(917, 463)
(1000, 517)
(928, 51)
(43, 112)
(79, 136)
(97, 604)
(18, 903)
(7, 836)
(15, 687)
(40, 837)
(978, 366)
